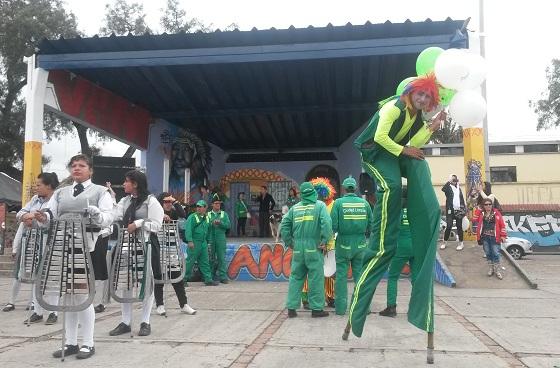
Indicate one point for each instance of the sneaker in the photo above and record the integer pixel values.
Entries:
(34, 318)
(85, 352)
(51, 319)
(390, 311)
(68, 350)
(443, 245)
(122, 328)
(292, 313)
(211, 283)
(319, 313)
(9, 307)
(460, 246)
(145, 329)
(188, 310)
(99, 308)
(160, 310)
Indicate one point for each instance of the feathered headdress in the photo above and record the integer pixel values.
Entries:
(426, 83)
(324, 189)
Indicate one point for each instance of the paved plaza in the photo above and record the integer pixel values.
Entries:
(244, 324)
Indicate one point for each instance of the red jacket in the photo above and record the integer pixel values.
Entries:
(500, 229)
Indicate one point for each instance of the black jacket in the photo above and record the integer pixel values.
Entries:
(449, 196)
(267, 203)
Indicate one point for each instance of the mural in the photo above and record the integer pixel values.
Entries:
(542, 229)
(186, 150)
(262, 261)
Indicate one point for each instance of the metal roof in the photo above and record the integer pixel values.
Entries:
(260, 89)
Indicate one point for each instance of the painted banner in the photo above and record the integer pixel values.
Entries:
(541, 228)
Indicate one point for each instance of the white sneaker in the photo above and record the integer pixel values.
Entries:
(188, 310)
(443, 245)
(460, 246)
(160, 310)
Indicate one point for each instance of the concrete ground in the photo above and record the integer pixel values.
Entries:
(243, 324)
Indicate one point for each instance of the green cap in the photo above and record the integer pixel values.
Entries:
(349, 183)
(216, 198)
(201, 203)
(306, 187)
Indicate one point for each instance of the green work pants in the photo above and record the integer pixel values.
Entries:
(307, 262)
(198, 254)
(424, 217)
(345, 255)
(219, 270)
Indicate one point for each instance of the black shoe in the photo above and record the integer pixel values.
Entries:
(319, 313)
(29, 306)
(51, 319)
(226, 281)
(122, 328)
(390, 311)
(34, 318)
(85, 352)
(99, 308)
(292, 313)
(306, 306)
(9, 307)
(212, 283)
(145, 329)
(68, 350)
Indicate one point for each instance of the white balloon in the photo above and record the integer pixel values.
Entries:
(460, 70)
(452, 68)
(467, 108)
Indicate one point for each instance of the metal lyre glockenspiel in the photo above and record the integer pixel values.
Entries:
(171, 258)
(30, 254)
(65, 271)
(131, 271)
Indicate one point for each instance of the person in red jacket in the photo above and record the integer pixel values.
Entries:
(490, 233)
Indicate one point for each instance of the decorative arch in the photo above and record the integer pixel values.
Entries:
(253, 174)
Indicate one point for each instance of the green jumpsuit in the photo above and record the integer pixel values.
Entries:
(306, 226)
(196, 231)
(402, 256)
(381, 145)
(217, 241)
(351, 218)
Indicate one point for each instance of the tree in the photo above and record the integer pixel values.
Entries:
(22, 25)
(174, 20)
(449, 133)
(548, 108)
(123, 18)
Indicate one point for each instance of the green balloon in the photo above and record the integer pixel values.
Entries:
(445, 95)
(427, 60)
(403, 84)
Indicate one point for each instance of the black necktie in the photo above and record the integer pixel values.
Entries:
(78, 189)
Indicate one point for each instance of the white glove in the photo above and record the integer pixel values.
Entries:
(93, 211)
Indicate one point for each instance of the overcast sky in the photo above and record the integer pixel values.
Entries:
(521, 40)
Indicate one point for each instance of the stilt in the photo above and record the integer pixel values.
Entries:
(430, 350)
(346, 331)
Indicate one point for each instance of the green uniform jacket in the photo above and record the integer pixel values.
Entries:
(306, 226)
(241, 209)
(404, 242)
(196, 228)
(351, 218)
(218, 232)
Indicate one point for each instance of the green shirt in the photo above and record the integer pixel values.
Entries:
(306, 225)
(196, 228)
(217, 232)
(351, 218)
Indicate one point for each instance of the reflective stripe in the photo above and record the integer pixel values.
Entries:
(310, 250)
(345, 247)
(304, 218)
(354, 217)
(354, 205)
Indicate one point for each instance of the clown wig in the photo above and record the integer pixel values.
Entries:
(324, 188)
(426, 83)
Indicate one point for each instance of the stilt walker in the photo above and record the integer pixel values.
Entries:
(390, 149)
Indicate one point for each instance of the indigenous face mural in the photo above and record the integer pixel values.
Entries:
(186, 150)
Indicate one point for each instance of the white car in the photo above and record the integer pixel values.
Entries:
(517, 247)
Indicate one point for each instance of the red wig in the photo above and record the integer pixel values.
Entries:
(426, 83)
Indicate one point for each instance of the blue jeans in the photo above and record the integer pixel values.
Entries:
(491, 248)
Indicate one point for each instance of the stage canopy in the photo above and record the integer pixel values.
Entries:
(289, 89)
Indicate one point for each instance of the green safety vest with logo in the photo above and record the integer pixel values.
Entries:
(351, 218)
(196, 228)
(218, 232)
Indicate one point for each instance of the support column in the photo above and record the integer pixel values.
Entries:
(35, 102)
(475, 168)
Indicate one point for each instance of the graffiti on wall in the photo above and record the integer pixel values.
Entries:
(542, 229)
(261, 261)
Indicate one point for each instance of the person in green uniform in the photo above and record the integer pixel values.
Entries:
(219, 225)
(390, 149)
(402, 256)
(351, 218)
(242, 213)
(306, 228)
(196, 234)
